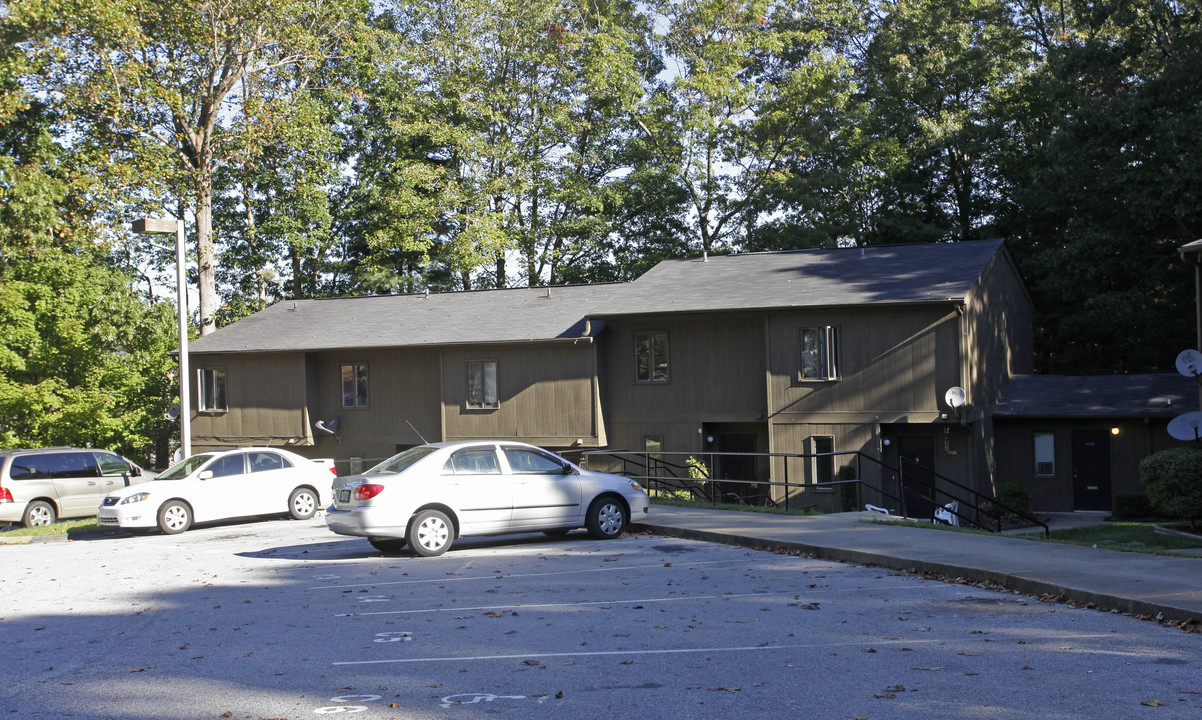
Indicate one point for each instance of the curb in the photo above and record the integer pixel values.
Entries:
(1018, 583)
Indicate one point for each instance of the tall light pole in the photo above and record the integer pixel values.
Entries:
(149, 226)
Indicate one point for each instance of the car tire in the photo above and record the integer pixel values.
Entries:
(430, 533)
(39, 512)
(175, 517)
(606, 518)
(387, 544)
(302, 503)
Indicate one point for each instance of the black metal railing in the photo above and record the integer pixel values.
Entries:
(908, 489)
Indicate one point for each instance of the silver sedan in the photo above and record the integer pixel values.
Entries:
(430, 495)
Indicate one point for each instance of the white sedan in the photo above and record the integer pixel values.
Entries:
(221, 485)
(430, 495)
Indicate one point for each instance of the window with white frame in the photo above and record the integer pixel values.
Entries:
(1045, 454)
(210, 389)
(482, 385)
(354, 385)
(822, 462)
(651, 357)
(819, 353)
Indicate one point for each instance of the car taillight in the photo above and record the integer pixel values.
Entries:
(5, 495)
(366, 492)
(334, 471)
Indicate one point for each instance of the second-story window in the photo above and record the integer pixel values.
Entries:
(482, 385)
(651, 357)
(819, 353)
(210, 389)
(354, 385)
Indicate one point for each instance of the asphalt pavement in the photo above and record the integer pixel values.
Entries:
(1161, 587)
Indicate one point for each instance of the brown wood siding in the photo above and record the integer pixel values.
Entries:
(402, 385)
(1016, 455)
(716, 371)
(998, 317)
(895, 363)
(265, 395)
(547, 394)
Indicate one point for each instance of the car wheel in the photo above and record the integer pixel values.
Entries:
(38, 513)
(430, 533)
(387, 544)
(175, 517)
(302, 504)
(606, 518)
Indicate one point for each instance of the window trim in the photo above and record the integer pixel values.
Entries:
(812, 442)
(201, 385)
(651, 362)
(828, 353)
(356, 367)
(483, 363)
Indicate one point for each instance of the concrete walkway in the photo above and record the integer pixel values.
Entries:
(1166, 588)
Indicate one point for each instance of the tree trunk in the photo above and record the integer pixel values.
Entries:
(205, 255)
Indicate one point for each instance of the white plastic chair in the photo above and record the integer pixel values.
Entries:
(947, 513)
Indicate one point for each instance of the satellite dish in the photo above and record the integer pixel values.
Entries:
(329, 427)
(172, 413)
(1185, 427)
(1189, 363)
(955, 397)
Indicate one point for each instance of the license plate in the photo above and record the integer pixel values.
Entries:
(344, 496)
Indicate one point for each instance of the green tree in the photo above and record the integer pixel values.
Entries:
(161, 82)
(84, 358)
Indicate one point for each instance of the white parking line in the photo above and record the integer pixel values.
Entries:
(553, 605)
(682, 651)
(498, 576)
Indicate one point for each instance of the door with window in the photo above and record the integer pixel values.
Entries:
(545, 491)
(473, 478)
(1091, 470)
(77, 481)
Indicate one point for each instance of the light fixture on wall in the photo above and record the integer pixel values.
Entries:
(1114, 431)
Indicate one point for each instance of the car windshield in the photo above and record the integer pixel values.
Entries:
(397, 463)
(184, 468)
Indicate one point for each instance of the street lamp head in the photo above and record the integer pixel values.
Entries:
(153, 226)
(1191, 252)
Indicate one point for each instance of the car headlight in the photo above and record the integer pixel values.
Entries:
(634, 485)
(136, 497)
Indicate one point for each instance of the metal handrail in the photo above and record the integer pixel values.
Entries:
(974, 505)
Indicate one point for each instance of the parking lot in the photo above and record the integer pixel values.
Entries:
(282, 619)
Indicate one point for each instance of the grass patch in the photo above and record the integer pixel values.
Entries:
(1125, 537)
(62, 527)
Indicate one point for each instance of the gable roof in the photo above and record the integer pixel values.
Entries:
(927, 272)
(484, 316)
(1145, 395)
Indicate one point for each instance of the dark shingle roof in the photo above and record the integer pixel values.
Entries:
(803, 278)
(928, 272)
(488, 316)
(1149, 395)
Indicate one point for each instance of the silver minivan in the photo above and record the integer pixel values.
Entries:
(39, 486)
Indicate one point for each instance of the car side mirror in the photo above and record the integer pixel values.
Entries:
(569, 470)
(135, 471)
(205, 475)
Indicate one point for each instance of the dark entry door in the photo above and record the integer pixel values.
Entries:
(916, 459)
(1091, 470)
(735, 467)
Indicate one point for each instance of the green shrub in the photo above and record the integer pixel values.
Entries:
(1132, 505)
(1173, 479)
(1014, 496)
